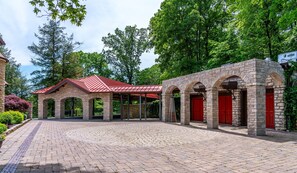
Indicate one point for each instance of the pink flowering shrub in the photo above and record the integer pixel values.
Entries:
(13, 102)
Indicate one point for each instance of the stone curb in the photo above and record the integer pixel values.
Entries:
(14, 128)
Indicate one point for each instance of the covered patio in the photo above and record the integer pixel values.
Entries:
(88, 90)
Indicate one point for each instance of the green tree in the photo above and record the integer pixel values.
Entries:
(17, 83)
(94, 64)
(149, 76)
(123, 50)
(53, 55)
(185, 33)
(257, 22)
(72, 10)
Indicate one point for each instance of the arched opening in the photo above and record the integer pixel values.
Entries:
(96, 108)
(173, 104)
(72, 108)
(49, 108)
(197, 93)
(232, 101)
(274, 102)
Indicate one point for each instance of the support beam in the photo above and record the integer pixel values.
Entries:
(145, 105)
(160, 107)
(121, 106)
(58, 109)
(185, 108)
(140, 108)
(212, 108)
(128, 107)
(256, 109)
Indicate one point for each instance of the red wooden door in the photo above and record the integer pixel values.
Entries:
(225, 109)
(197, 108)
(270, 110)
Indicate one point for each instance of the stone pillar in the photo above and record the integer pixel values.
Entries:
(236, 108)
(91, 108)
(42, 108)
(30, 111)
(279, 108)
(62, 109)
(2, 83)
(185, 108)
(256, 109)
(108, 107)
(57, 108)
(204, 108)
(165, 107)
(212, 108)
(86, 108)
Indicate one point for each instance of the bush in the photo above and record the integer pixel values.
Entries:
(3, 128)
(6, 118)
(17, 117)
(12, 102)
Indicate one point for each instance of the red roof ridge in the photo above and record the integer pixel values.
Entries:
(103, 82)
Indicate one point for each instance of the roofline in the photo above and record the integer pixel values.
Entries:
(64, 82)
(103, 83)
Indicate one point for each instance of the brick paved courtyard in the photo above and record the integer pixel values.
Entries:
(78, 146)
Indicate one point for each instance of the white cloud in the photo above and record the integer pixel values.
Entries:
(18, 24)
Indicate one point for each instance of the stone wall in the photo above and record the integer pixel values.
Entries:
(255, 75)
(2, 83)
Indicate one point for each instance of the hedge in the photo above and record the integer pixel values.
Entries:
(3, 128)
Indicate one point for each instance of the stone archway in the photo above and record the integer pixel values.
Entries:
(71, 107)
(48, 110)
(170, 109)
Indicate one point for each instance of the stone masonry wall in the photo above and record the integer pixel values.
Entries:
(2, 84)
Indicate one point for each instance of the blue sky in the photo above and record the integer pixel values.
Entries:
(18, 24)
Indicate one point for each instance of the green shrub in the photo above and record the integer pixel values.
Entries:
(17, 117)
(3, 128)
(6, 118)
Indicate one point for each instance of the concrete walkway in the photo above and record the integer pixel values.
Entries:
(92, 146)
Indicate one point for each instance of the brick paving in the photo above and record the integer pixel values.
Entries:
(90, 146)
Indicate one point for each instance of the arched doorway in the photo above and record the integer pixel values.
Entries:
(97, 108)
(49, 108)
(198, 102)
(73, 108)
(173, 104)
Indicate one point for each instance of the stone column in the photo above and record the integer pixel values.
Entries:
(279, 108)
(165, 107)
(256, 109)
(62, 108)
(86, 108)
(185, 108)
(91, 108)
(57, 108)
(236, 108)
(204, 108)
(42, 108)
(108, 107)
(212, 108)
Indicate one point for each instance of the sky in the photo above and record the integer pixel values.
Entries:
(18, 24)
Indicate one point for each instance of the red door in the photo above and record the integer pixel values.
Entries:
(197, 108)
(270, 110)
(225, 109)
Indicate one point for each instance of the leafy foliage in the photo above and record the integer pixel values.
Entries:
(17, 83)
(94, 64)
(149, 76)
(17, 117)
(12, 102)
(3, 128)
(72, 10)
(6, 118)
(123, 50)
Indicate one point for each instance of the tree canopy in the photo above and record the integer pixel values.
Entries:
(123, 50)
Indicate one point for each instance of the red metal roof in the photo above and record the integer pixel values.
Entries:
(99, 84)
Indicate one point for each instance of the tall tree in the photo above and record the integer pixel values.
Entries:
(72, 10)
(259, 32)
(94, 64)
(17, 83)
(149, 76)
(184, 33)
(52, 55)
(123, 50)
